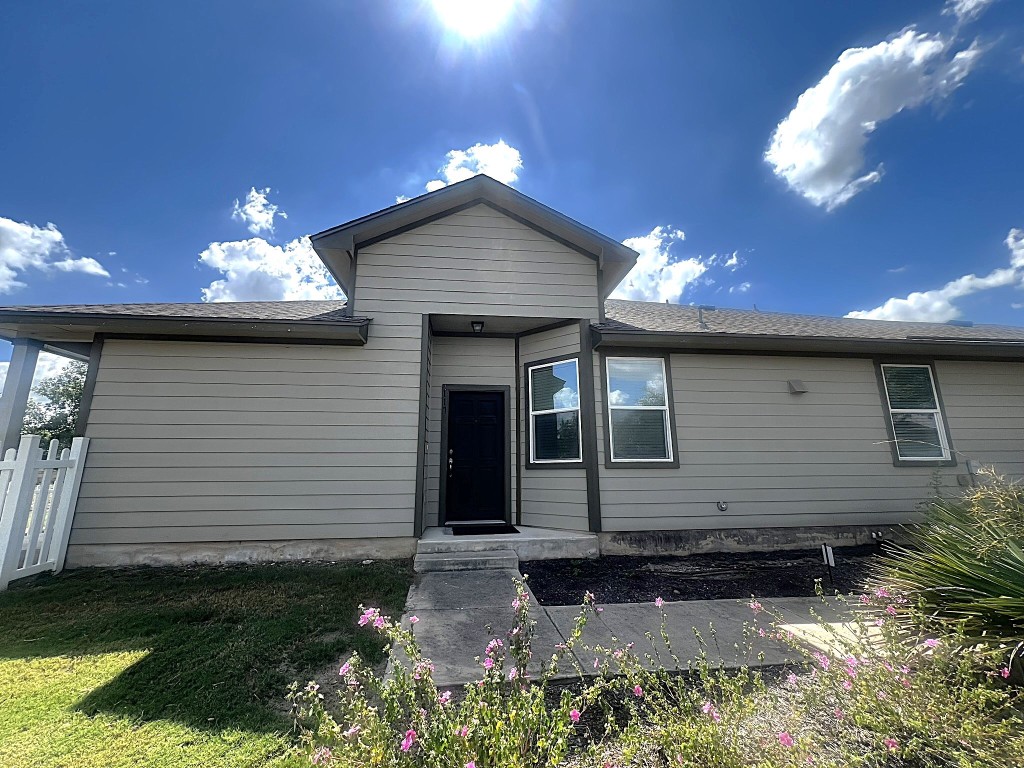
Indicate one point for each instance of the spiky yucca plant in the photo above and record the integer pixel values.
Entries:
(964, 563)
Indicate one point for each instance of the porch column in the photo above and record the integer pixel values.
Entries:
(17, 387)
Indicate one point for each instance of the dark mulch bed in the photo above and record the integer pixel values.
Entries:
(715, 576)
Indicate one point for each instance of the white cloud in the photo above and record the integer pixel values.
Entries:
(966, 10)
(741, 288)
(499, 161)
(657, 276)
(258, 212)
(46, 365)
(818, 149)
(733, 262)
(25, 246)
(566, 397)
(618, 397)
(937, 305)
(255, 270)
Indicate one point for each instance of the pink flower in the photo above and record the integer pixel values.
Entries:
(847, 685)
(864, 599)
(659, 602)
(755, 606)
(321, 756)
(515, 603)
(839, 714)
(345, 669)
(488, 663)
(822, 659)
(464, 731)
(709, 710)
(574, 715)
(471, 764)
(761, 632)
(931, 642)
(597, 662)
(791, 678)
(513, 673)
(352, 732)
(891, 610)
(378, 622)
(414, 619)
(785, 739)
(368, 615)
(445, 697)
(882, 592)
(1005, 672)
(409, 740)
(891, 744)
(638, 691)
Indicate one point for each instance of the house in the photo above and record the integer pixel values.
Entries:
(478, 373)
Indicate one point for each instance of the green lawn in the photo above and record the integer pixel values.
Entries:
(175, 666)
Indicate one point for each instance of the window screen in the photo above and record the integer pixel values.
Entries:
(638, 409)
(914, 412)
(555, 434)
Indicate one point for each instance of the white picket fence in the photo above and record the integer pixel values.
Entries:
(38, 493)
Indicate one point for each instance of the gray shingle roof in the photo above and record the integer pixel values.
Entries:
(293, 311)
(675, 318)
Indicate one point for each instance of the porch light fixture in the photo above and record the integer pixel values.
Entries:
(477, 325)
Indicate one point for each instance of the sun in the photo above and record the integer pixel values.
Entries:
(473, 19)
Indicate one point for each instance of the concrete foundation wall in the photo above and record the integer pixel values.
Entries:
(213, 552)
(740, 539)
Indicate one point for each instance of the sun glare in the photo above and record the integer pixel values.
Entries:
(473, 19)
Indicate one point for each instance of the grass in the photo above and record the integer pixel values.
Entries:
(175, 667)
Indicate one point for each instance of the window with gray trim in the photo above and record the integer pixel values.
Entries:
(638, 403)
(914, 413)
(555, 435)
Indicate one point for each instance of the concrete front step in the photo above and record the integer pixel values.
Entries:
(529, 544)
(429, 562)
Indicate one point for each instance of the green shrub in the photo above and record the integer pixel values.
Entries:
(963, 566)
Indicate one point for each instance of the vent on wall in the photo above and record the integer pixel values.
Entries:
(797, 387)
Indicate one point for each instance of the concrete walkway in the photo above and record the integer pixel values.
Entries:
(460, 611)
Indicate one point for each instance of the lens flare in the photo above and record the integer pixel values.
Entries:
(474, 19)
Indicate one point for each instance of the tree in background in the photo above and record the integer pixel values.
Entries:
(53, 412)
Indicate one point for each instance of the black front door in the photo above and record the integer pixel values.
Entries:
(475, 464)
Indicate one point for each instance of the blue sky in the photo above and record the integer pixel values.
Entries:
(820, 157)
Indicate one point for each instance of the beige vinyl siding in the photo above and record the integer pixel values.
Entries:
(552, 498)
(476, 261)
(984, 406)
(195, 442)
(476, 361)
(775, 458)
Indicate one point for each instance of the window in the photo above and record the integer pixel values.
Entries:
(914, 412)
(638, 418)
(555, 413)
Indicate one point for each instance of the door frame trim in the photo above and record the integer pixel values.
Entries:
(505, 391)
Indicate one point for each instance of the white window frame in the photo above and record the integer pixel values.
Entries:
(666, 418)
(940, 423)
(532, 412)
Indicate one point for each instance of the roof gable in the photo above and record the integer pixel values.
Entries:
(337, 246)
